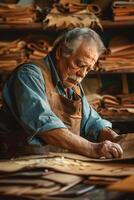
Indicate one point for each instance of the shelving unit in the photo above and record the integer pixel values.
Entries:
(123, 123)
(39, 26)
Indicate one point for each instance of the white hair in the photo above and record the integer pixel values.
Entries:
(72, 39)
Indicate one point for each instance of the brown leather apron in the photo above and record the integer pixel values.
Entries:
(69, 111)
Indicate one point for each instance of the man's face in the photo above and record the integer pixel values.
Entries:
(74, 68)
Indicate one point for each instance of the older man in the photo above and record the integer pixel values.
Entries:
(44, 103)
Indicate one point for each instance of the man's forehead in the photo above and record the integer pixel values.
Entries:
(87, 51)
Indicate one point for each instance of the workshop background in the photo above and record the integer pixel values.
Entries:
(28, 29)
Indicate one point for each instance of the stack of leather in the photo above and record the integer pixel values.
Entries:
(120, 106)
(123, 10)
(125, 185)
(72, 15)
(110, 101)
(112, 107)
(12, 54)
(52, 174)
(75, 7)
(69, 1)
(119, 56)
(18, 51)
(17, 14)
(36, 183)
(127, 100)
(38, 49)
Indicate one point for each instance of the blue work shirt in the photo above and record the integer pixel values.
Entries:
(25, 96)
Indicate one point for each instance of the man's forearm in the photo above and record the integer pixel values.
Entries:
(65, 139)
(107, 134)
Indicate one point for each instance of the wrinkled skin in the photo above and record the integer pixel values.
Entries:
(108, 149)
(74, 68)
(108, 146)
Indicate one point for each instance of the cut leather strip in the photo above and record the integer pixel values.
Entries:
(125, 185)
(82, 168)
(30, 182)
(10, 166)
(42, 191)
(63, 178)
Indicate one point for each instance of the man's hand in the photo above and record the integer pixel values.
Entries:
(109, 146)
(107, 149)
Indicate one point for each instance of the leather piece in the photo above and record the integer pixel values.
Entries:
(112, 107)
(73, 166)
(63, 178)
(72, 7)
(119, 56)
(127, 144)
(28, 190)
(123, 10)
(38, 49)
(6, 167)
(12, 54)
(30, 182)
(31, 177)
(78, 18)
(88, 168)
(17, 14)
(36, 182)
(125, 185)
(19, 51)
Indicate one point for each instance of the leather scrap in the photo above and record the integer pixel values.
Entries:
(125, 185)
(80, 18)
(63, 178)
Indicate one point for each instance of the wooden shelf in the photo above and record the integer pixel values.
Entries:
(121, 119)
(32, 26)
(118, 72)
(39, 25)
(120, 24)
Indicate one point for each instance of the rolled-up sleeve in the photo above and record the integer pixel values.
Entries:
(31, 107)
(92, 122)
